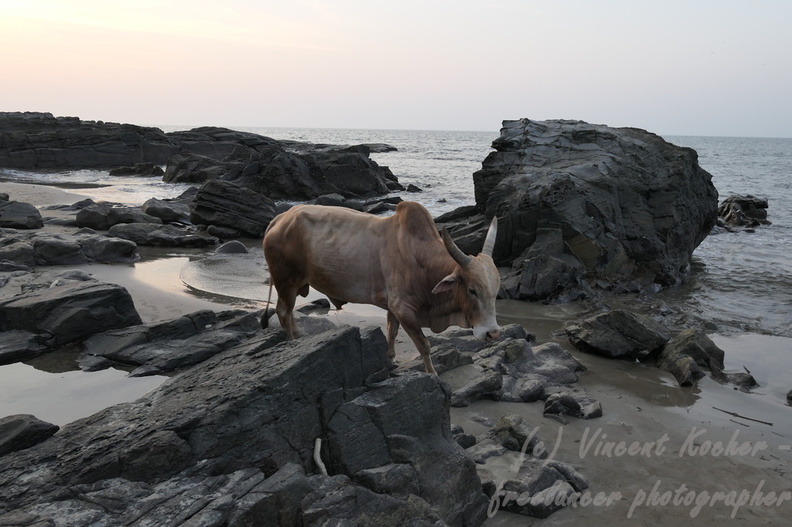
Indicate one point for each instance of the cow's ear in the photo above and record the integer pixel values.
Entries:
(446, 284)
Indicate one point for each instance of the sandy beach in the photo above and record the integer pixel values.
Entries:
(683, 458)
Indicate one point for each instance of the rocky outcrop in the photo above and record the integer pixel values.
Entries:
(202, 450)
(103, 215)
(743, 211)
(140, 169)
(159, 235)
(168, 210)
(278, 169)
(584, 207)
(618, 334)
(173, 345)
(513, 369)
(28, 250)
(68, 312)
(35, 141)
(690, 353)
(225, 204)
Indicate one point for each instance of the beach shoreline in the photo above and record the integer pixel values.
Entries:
(641, 403)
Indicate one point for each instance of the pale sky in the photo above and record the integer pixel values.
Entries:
(673, 67)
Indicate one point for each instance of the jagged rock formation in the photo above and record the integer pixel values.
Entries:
(585, 207)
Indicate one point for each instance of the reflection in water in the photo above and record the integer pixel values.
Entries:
(60, 398)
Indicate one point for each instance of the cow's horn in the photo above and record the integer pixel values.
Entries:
(456, 253)
(489, 241)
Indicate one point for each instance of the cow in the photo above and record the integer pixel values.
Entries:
(399, 263)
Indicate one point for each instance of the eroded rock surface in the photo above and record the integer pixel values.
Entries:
(585, 206)
(231, 442)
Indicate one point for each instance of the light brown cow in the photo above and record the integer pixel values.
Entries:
(399, 263)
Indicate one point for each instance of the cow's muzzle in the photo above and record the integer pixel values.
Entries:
(493, 334)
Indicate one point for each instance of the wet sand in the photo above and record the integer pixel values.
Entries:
(642, 405)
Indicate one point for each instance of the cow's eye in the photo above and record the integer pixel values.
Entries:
(472, 292)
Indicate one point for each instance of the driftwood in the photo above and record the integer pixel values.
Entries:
(735, 414)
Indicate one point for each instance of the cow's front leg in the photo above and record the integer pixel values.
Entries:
(422, 343)
(392, 330)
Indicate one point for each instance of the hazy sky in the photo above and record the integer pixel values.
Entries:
(674, 67)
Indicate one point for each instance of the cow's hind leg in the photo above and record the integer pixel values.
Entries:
(392, 330)
(285, 311)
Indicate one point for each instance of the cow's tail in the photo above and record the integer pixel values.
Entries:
(266, 315)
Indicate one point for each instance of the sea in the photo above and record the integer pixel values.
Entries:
(739, 281)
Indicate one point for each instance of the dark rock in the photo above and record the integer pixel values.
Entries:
(70, 312)
(306, 324)
(223, 233)
(94, 216)
(511, 370)
(159, 235)
(437, 461)
(107, 249)
(789, 398)
(278, 169)
(61, 249)
(20, 345)
(18, 432)
(379, 206)
(18, 251)
(101, 216)
(461, 213)
(482, 383)
(4, 196)
(379, 148)
(214, 452)
(743, 211)
(194, 168)
(485, 449)
(538, 489)
(572, 404)
(7, 266)
(140, 169)
(169, 211)
(331, 200)
(228, 205)
(336, 501)
(55, 250)
(688, 354)
(592, 206)
(514, 433)
(464, 440)
(413, 188)
(173, 345)
(33, 140)
(17, 215)
(397, 479)
(618, 334)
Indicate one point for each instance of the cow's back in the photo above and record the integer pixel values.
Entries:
(335, 250)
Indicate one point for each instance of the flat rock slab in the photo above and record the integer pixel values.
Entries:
(70, 312)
